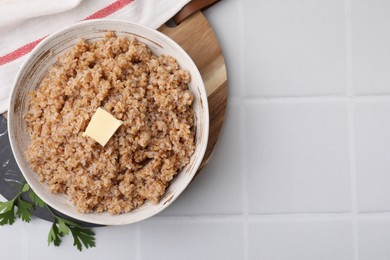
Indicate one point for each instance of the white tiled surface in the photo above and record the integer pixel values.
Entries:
(374, 234)
(297, 48)
(372, 124)
(192, 239)
(309, 140)
(302, 169)
(370, 21)
(300, 239)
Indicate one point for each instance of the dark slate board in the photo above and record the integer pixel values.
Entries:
(10, 177)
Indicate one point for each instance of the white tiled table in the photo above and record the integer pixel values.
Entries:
(302, 170)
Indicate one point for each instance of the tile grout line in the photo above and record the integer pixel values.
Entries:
(199, 218)
(327, 98)
(352, 159)
(351, 124)
(241, 19)
(267, 216)
(244, 172)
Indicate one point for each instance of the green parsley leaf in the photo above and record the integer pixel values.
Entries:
(35, 199)
(62, 227)
(82, 236)
(7, 205)
(71, 223)
(24, 210)
(25, 188)
(7, 217)
(54, 235)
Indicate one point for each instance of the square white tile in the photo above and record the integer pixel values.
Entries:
(300, 239)
(191, 239)
(218, 188)
(370, 46)
(12, 241)
(297, 157)
(372, 134)
(294, 48)
(374, 237)
(223, 17)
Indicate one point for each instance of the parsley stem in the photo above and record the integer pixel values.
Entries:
(51, 212)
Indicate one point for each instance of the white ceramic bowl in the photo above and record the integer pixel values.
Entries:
(36, 66)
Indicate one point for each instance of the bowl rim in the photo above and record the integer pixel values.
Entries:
(204, 106)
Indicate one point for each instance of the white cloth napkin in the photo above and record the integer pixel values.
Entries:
(13, 11)
(20, 35)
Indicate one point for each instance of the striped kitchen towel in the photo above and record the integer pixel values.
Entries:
(19, 37)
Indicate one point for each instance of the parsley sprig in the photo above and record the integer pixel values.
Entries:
(61, 227)
(81, 236)
(7, 209)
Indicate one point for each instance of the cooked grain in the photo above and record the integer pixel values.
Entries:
(148, 92)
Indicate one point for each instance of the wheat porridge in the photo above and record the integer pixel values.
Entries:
(148, 93)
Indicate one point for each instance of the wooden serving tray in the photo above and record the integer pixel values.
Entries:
(196, 36)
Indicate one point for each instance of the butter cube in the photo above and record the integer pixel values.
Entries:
(102, 126)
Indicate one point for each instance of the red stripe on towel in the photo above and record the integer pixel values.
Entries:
(110, 9)
(16, 54)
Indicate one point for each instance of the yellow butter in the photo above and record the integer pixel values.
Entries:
(102, 126)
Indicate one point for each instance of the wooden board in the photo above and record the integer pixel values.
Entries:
(196, 36)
